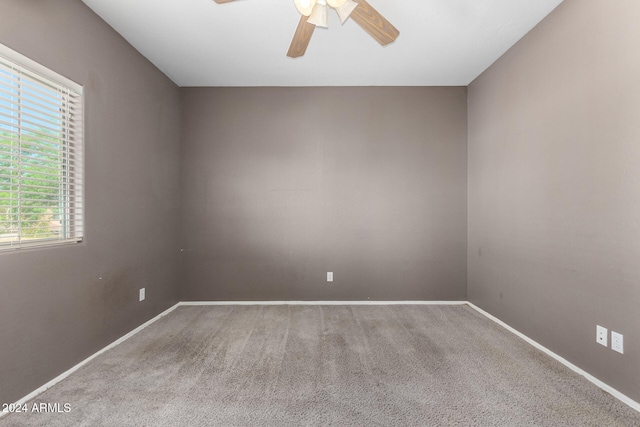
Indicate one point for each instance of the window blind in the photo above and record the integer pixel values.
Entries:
(41, 170)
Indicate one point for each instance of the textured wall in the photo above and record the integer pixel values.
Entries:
(54, 309)
(281, 185)
(554, 186)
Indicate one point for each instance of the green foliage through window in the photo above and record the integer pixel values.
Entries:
(40, 159)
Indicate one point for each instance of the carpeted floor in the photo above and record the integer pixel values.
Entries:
(405, 365)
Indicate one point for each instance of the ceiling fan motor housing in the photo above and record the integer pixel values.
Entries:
(336, 3)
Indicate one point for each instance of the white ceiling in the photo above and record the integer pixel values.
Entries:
(244, 43)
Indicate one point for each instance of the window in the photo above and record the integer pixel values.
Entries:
(41, 171)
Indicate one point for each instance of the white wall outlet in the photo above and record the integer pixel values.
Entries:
(616, 342)
(329, 276)
(142, 294)
(601, 335)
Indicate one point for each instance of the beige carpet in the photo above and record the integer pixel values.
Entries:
(326, 365)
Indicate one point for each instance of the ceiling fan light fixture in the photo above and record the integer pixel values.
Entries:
(345, 10)
(318, 16)
(305, 7)
(336, 3)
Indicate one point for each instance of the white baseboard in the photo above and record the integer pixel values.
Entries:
(612, 391)
(187, 303)
(620, 396)
(65, 374)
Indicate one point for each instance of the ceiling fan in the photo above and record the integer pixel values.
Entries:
(314, 14)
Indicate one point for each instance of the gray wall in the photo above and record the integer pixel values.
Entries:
(281, 185)
(54, 310)
(284, 184)
(554, 186)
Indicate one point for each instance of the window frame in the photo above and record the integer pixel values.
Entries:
(70, 191)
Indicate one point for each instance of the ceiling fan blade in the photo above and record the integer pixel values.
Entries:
(373, 23)
(301, 38)
(222, 1)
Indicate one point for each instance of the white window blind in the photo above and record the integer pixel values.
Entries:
(41, 171)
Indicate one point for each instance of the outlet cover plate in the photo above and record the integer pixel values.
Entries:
(601, 335)
(142, 294)
(617, 342)
(329, 276)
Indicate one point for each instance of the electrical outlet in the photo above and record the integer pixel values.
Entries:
(601, 335)
(142, 294)
(616, 342)
(329, 276)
